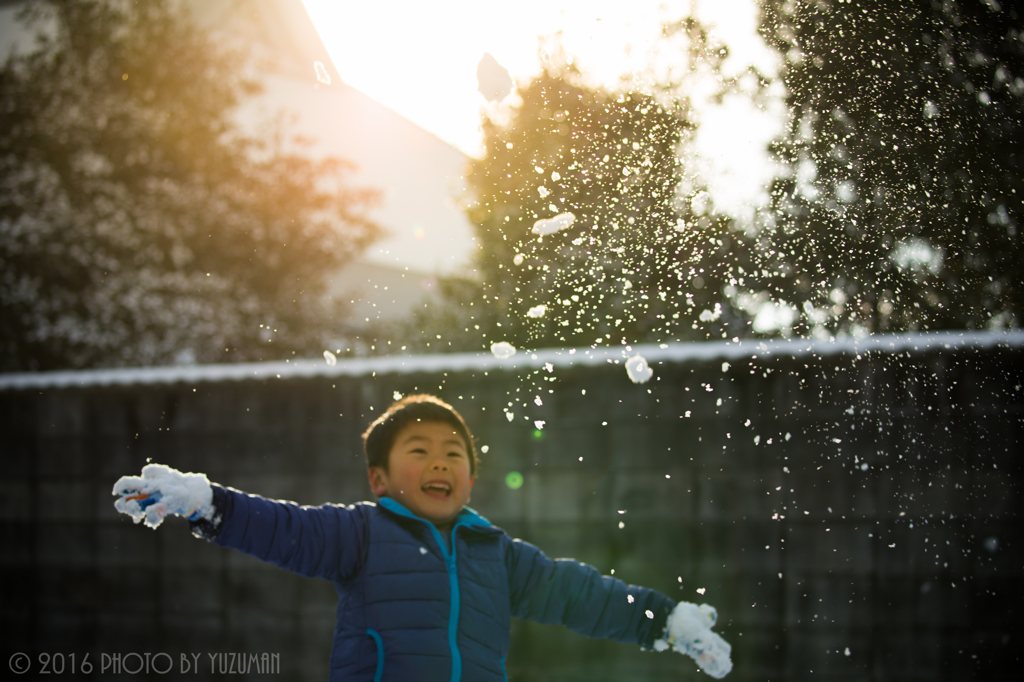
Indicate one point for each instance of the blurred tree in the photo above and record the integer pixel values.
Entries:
(138, 225)
(640, 262)
(903, 205)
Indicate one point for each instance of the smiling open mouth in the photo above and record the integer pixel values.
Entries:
(438, 487)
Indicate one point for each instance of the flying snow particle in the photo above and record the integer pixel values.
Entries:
(552, 225)
(331, 358)
(638, 370)
(396, 395)
(709, 316)
(539, 424)
(510, 416)
(700, 203)
(700, 590)
(725, 366)
(537, 401)
(518, 260)
(555, 176)
(537, 311)
(544, 191)
(321, 73)
(485, 448)
(847, 651)
(503, 350)
(492, 79)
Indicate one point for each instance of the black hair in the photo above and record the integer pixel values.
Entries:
(380, 435)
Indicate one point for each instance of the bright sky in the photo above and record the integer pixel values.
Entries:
(420, 59)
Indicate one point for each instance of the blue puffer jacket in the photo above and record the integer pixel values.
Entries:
(410, 609)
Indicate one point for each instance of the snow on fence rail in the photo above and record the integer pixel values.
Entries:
(558, 357)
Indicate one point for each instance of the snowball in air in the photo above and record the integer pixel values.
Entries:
(709, 316)
(553, 225)
(638, 370)
(503, 350)
(331, 358)
(493, 80)
(537, 311)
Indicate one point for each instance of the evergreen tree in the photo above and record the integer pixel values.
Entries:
(636, 264)
(138, 224)
(903, 207)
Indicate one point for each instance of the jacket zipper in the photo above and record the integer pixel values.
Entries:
(453, 580)
(453, 615)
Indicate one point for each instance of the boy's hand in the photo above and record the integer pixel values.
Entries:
(688, 631)
(162, 490)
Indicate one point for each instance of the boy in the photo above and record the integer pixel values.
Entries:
(426, 586)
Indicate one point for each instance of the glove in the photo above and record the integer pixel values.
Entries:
(688, 631)
(162, 490)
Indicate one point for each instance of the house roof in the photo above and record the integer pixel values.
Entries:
(419, 175)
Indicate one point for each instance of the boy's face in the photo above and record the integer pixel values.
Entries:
(428, 472)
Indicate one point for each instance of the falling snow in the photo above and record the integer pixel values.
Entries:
(548, 226)
(638, 370)
(321, 73)
(503, 350)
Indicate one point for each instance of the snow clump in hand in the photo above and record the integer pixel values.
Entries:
(162, 490)
(553, 225)
(638, 370)
(688, 631)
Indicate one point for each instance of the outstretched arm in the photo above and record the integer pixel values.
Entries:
(323, 541)
(576, 595)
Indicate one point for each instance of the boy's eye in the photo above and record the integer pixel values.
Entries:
(455, 454)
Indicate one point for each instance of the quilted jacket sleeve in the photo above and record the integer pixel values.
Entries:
(571, 593)
(325, 542)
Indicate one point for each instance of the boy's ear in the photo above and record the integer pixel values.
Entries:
(378, 481)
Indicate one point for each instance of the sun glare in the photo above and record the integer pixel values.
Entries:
(420, 59)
